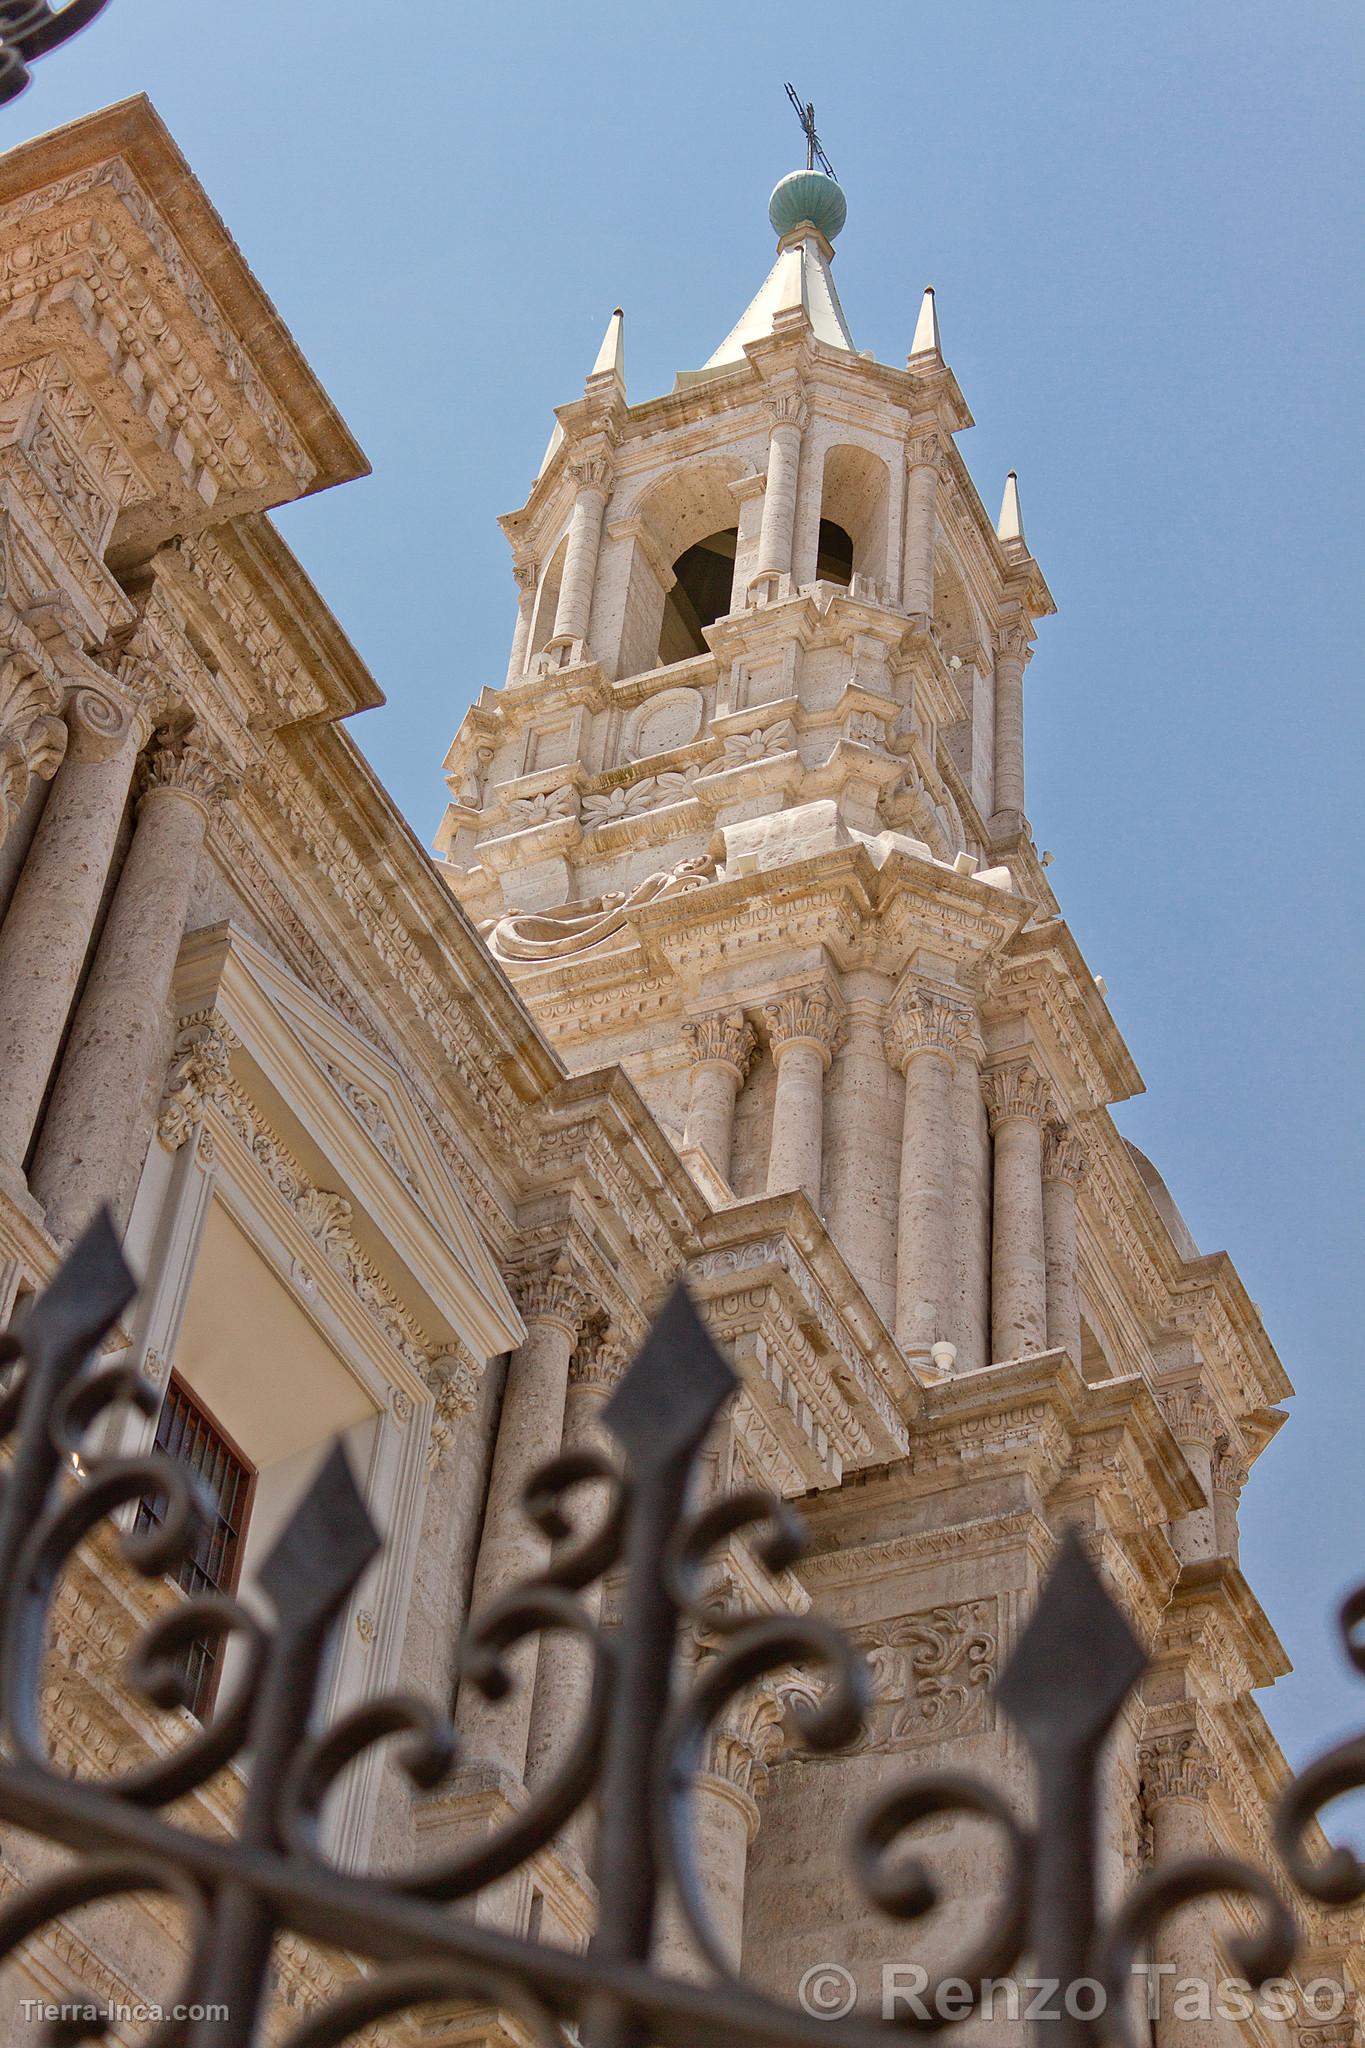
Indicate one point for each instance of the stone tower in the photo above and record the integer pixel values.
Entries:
(747, 816)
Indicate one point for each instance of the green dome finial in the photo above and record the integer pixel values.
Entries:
(808, 196)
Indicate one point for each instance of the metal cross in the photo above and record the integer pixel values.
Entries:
(805, 114)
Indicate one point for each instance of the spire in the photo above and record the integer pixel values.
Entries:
(1010, 525)
(926, 341)
(611, 357)
(807, 210)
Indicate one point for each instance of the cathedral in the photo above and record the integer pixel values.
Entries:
(735, 960)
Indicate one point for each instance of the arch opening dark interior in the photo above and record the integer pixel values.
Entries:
(834, 558)
(705, 575)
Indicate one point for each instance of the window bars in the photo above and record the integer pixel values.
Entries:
(640, 1747)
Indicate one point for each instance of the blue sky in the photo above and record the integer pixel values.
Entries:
(1143, 226)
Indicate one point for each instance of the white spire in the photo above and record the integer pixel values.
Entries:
(611, 357)
(1010, 525)
(926, 341)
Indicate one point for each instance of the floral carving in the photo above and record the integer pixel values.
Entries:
(931, 1674)
(760, 744)
(1175, 1766)
(807, 1016)
(200, 1062)
(1063, 1155)
(627, 800)
(546, 807)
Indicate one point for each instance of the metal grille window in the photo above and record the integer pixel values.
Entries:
(186, 1432)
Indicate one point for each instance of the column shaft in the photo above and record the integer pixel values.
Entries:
(1177, 1773)
(862, 1156)
(521, 637)
(713, 1090)
(89, 1131)
(573, 612)
(971, 1327)
(924, 1242)
(798, 1120)
(1011, 656)
(779, 497)
(511, 1548)
(56, 899)
(1063, 1296)
(1019, 1103)
(920, 513)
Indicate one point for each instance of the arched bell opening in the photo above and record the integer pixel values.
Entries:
(704, 576)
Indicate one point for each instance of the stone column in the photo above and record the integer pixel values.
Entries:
(803, 1029)
(1011, 655)
(89, 1132)
(524, 570)
(530, 1429)
(1018, 1100)
(788, 416)
(1194, 1425)
(722, 1048)
(1177, 1772)
(922, 454)
(1229, 1475)
(861, 1156)
(922, 1039)
(971, 1328)
(56, 900)
(724, 1823)
(32, 743)
(561, 1674)
(1063, 1165)
(573, 612)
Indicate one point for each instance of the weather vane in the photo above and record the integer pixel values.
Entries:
(805, 114)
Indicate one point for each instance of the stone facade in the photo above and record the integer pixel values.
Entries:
(771, 989)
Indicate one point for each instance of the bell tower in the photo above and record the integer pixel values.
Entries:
(747, 814)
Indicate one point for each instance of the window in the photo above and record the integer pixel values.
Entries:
(185, 1432)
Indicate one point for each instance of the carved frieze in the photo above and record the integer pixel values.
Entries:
(931, 1673)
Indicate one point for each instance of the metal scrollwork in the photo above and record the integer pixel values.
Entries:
(641, 1744)
(30, 28)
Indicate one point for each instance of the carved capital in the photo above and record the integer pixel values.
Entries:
(924, 450)
(725, 1039)
(1176, 1766)
(200, 1061)
(1230, 1472)
(454, 1377)
(1016, 1091)
(926, 1022)
(788, 409)
(186, 767)
(590, 473)
(600, 1366)
(806, 1017)
(32, 735)
(1013, 642)
(525, 574)
(96, 724)
(1190, 1416)
(551, 1295)
(1063, 1155)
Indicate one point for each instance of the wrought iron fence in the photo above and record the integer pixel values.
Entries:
(640, 1746)
(29, 29)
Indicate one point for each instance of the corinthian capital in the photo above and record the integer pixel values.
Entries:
(788, 409)
(200, 1062)
(525, 574)
(924, 450)
(1175, 1766)
(1063, 1155)
(1016, 1091)
(725, 1039)
(551, 1294)
(807, 1017)
(186, 767)
(926, 1022)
